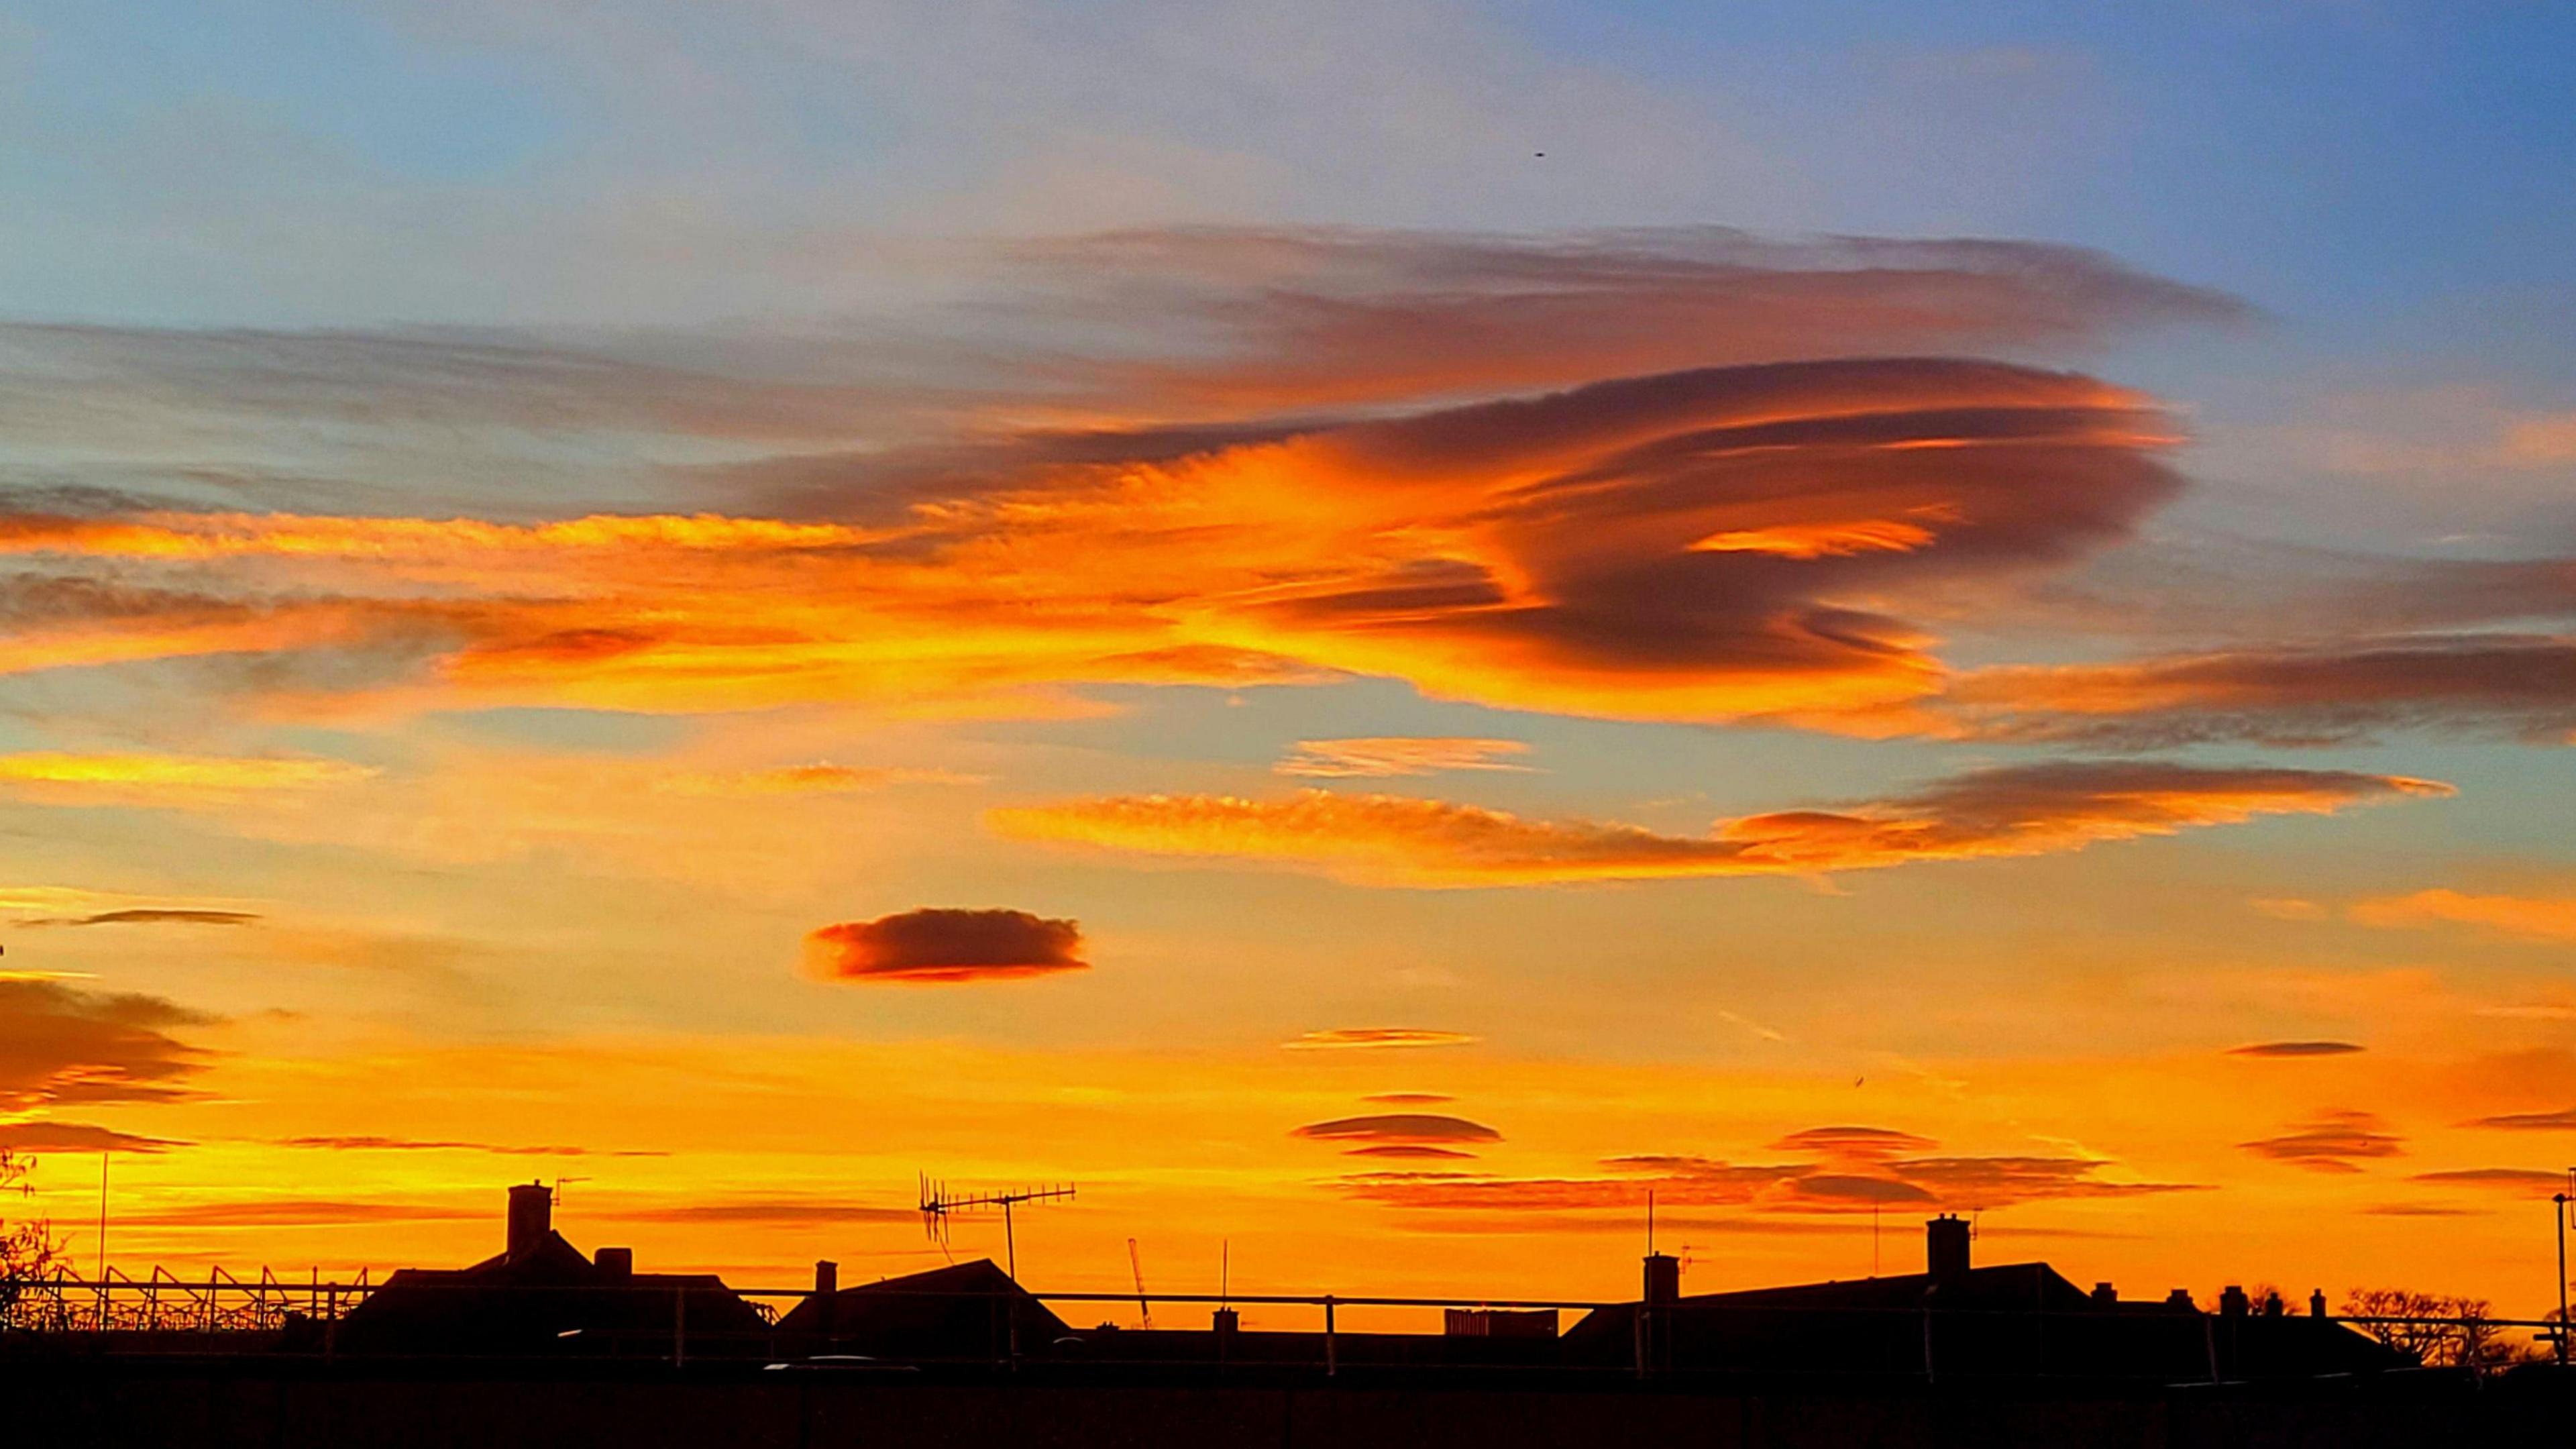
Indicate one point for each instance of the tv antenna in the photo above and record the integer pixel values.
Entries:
(1136, 1265)
(559, 1187)
(937, 1204)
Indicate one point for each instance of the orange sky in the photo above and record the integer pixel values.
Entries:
(1381, 795)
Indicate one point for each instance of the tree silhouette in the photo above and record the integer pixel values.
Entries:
(28, 1248)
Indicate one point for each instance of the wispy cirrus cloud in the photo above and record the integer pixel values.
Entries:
(369, 1142)
(164, 781)
(2536, 918)
(946, 946)
(1377, 1038)
(1381, 757)
(1400, 840)
(2562, 1120)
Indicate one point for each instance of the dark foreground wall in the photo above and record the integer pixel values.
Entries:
(239, 1406)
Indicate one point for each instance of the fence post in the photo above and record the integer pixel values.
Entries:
(679, 1328)
(1332, 1358)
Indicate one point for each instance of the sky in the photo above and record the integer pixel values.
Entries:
(1368, 630)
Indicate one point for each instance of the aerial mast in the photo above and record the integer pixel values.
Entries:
(937, 1203)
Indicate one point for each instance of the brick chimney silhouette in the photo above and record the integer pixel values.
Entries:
(1945, 1247)
(532, 1217)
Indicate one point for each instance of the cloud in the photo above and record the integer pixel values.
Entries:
(365, 1143)
(2523, 1181)
(297, 1213)
(816, 779)
(1400, 840)
(2333, 1142)
(1409, 1099)
(2562, 1120)
(152, 916)
(1377, 1038)
(1859, 1142)
(1676, 545)
(1844, 1182)
(2485, 684)
(946, 946)
(766, 1212)
(42, 1136)
(2537, 919)
(1380, 757)
(1400, 1129)
(2287, 908)
(61, 1043)
(181, 782)
(1409, 1150)
(2295, 1049)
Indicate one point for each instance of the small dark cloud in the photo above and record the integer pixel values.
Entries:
(1846, 1188)
(1862, 1142)
(1410, 1150)
(1408, 1128)
(2562, 1120)
(154, 916)
(78, 1137)
(2332, 1142)
(2296, 1049)
(2420, 1210)
(2528, 1181)
(946, 946)
(1410, 1099)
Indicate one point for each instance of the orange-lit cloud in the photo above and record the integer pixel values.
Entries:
(2538, 919)
(1689, 545)
(1409, 1099)
(152, 916)
(2332, 1142)
(2520, 1181)
(946, 946)
(49, 1136)
(164, 781)
(1400, 1128)
(2522, 685)
(1860, 1142)
(1381, 757)
(1844, 1181)
(373, 1143)
(1400, 840)
(2562, 1120)
(2295, 1049)
(1377, 1038)
(65, 1044)
(815, 779)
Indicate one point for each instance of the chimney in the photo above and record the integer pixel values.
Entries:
(2232, 1302)
(2106, 1295)
(827, 1278)
(532, 1217)
(1663, 1278)
(2316, 1303)
(616, 1264)
(1945, 1246)
(2181, 1298)
(2273, 1307)
(1225, 1320)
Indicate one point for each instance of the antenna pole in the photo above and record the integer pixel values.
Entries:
(102, 1216)
(1010, 1242)
(1650, 1222)
(2558, 1211)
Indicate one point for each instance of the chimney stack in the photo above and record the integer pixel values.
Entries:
(827, 1278)
(2232, 1302)
(2106, 1295)
(1945, 1247)
(532, 1217)
(615, 1264)
(1663, 1278)
(2317, 1303)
